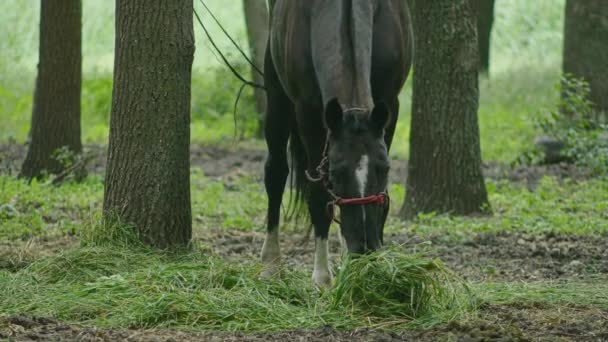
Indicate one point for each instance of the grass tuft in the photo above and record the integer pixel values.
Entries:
(87, 264)
(393, 284)
(110, 231)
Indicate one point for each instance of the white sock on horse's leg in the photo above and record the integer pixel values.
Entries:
(321, 276)
(271, 253)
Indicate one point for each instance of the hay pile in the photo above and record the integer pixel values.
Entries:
(392, 283)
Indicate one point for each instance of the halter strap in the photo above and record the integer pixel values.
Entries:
(322, 175)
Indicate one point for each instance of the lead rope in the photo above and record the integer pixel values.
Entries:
(322, 175)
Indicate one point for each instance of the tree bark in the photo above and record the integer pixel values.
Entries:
(444, 172)
(148, 172)
(485, 21)
(256, 18)
(585, 52)
(56, 108)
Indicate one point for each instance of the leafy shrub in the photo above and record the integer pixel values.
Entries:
(576, 126)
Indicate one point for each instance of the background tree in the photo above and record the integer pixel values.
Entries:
(256, 19)
(444, 172)
(586, 47)
(485, 21)
(56, 108)
(148, 169)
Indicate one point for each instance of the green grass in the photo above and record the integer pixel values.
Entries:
(574, 208)
(569, 208)
(590, 293)
(136, 288)
(38, 209)
(526, 59)
(391, 283)
(125, 285)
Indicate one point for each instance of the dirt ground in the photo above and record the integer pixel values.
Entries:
(496, 323)
(482, 257)
(228, 162)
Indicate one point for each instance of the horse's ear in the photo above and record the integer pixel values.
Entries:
(333, 116)
(380, 116)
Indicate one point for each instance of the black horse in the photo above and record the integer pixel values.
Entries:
(333, 73)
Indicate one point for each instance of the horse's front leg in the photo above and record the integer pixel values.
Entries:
(317, 206)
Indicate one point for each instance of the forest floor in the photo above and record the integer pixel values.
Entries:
(539, 265)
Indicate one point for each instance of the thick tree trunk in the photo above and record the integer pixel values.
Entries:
(256, 18)
(56, 110)
(444, 173)
(148, 172)
(586, 47)
(485, 21)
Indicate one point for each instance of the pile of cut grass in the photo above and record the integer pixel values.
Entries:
(391, 283)
(135, 287)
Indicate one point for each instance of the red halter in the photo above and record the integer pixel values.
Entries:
(372, 199)
(323, 176)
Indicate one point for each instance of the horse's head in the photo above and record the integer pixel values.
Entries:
(358, 171)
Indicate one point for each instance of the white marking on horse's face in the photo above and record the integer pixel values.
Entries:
(361, 173)
(321, 276)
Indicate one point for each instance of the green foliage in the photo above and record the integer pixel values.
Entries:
(577, 125)
(214, 95)
(73, 165)
(39, 209)
(96, 101)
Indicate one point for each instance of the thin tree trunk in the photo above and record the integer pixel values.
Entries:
(444, 172)
(586, 47)
(256, 18)
(56, 109)
(148, 172)
(485, 21)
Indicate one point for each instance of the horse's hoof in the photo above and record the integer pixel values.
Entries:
(321, 280)
(270, 271)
